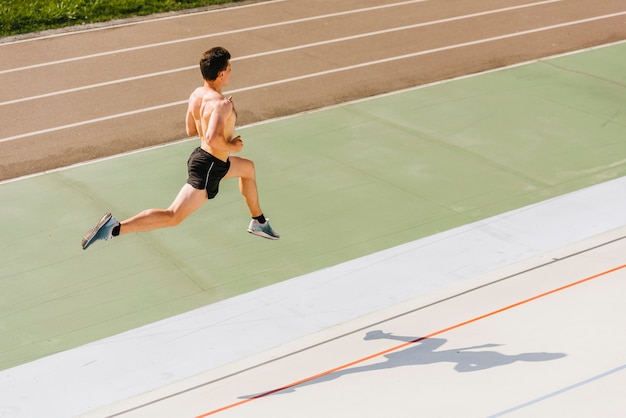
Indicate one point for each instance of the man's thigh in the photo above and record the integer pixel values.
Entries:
(188, 200)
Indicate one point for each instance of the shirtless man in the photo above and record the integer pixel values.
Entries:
(212, 117)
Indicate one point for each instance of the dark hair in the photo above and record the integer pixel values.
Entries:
(213, 61)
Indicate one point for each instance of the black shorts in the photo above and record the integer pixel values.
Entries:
(206, 171)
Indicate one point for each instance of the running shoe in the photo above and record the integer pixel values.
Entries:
(103, 230)
(262, 230)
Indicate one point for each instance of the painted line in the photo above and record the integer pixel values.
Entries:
(90, 121)
(283, 50)
(103, 84)
(109, 25)
(321, 73)
(211, 35)
(403, 345)
(561, 391)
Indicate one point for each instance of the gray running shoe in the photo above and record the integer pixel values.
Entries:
(262, 230)
(103, 230)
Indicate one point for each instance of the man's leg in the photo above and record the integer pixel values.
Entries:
(244, 169)
(187, 202)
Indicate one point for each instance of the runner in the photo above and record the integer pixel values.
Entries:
(212, 117)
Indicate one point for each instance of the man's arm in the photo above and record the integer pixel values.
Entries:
(193, 114)
(190, 123)
(215, 136)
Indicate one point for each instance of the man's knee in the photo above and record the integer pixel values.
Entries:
(251, 170)
(174, 218)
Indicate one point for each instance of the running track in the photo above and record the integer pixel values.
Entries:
(101, 92)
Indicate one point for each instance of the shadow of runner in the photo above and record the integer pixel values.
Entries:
(424, 351)
(466, 358)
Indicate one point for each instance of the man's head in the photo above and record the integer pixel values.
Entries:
(213, 62)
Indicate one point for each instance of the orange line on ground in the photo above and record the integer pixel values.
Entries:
(403, 345)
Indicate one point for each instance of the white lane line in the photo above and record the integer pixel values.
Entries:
(97, 85)
(321, 73)
(87, 122)
(211, 35)
(283, 50)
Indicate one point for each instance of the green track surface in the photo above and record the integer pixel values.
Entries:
(339, 183)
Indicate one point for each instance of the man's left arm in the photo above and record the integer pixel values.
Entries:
(190, 118)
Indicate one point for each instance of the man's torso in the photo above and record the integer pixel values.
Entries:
(203, 111)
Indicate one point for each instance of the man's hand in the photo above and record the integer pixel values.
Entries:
(236, 143)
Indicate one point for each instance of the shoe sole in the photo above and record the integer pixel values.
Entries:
(262, 234)
(88, 238)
